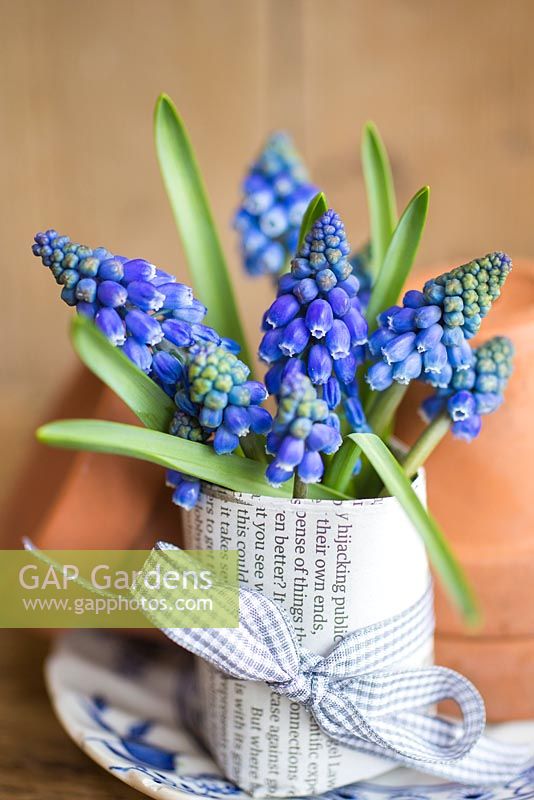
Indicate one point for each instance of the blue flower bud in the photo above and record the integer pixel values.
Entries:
(399, 348)
(311, 468)
(177, 332)
(274, 222)
(467, 429)
(138, 353)
(385, 318)
(111, 269)
(378, 339)
(306, 291)
(355, 415)
(112, 294)
(194, 314)
(319, 318)
(145, 296)
(414, 299)
(428, 338)
(461, 405)
(403, 320)
(452, 337)
(186, 494)
(295, 337)
(86, 290)
(269, 349)
(339, 300)
(260, 420)
(338, 340)
(277, 475)
(161, 278)
(290, 452)
(432, 407)
(87, 309)
(357, 327)
(332, 392)
(225, 441)
(287, 283)
(460, 357)
(426, 316)
(268, 261)
(440, 379)
(379, 376)
(177, 295)
(204, 333)
(138, 270)
(282, 311)
(408, 369)
(319, 364)
(144, 328)
(345, 368)
(326, 280)
(351, 285)
(167, 368)
(237, 420)
(435, 359)
(111, 326)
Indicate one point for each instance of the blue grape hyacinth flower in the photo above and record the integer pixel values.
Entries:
(475, 392)
(317, 316)
(276, 193)
(427, 337)
(301, 432)
(215, 389)
(138, 307)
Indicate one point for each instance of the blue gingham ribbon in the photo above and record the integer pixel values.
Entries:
(358, 694)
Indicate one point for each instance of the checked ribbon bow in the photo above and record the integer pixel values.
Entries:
(359, 694)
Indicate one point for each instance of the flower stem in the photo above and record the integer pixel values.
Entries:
(384, 408)
(300, 489)
(425, 444)
(339, 471)
(254, 447)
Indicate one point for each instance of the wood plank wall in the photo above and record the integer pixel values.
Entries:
(450, 84)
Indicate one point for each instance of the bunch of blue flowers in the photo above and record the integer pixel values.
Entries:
(474, 392)
(427, 337)
(276, 193)
(317, 316)
(300, 432)
(157, 323)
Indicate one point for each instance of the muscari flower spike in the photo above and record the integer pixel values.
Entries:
(300, 432)
(427, 337)
(144, 312)
(317, 318)
(474, 392)
(215, 389)
(276, 193)
(138, 307)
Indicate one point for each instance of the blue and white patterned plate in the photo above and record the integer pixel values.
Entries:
(122, 701)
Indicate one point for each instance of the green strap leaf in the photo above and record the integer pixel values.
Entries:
(194, 220)
(380, 194)
(439, 552)
(144, 397)
(200, 460)
(316, 208)
(400, 256)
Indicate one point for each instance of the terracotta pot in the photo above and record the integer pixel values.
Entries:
(88, 500)
(481, 495)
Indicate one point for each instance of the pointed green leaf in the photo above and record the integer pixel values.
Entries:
(316, 208)
(380, 194)
(145, 398)
(399, 257)
(194, 219)
(200, 460)
(439, 552)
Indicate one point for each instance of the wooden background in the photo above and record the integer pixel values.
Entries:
(450, 84)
